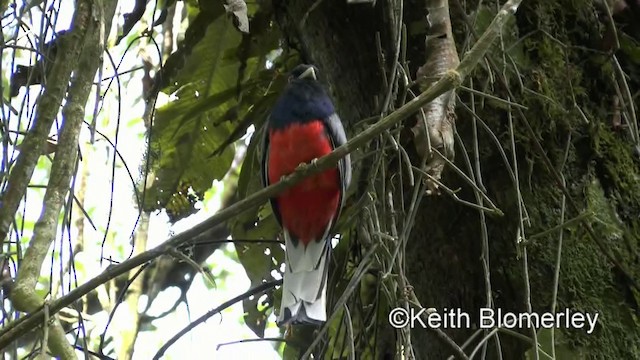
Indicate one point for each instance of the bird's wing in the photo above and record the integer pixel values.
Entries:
(338, 138)
(265, 170)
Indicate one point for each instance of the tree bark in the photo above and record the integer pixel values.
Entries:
(563, 130)
(90, 29)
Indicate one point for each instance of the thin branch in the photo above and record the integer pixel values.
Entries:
(494, 98)
(352, 351)
(45, 335)
(452, 193)
(46, 112)
(630, 104)
(199, 268)
(578, 219)
(24, 296)
(251, 292)
(244, 341)
(455, 348)
(362, 269)
(556, 275)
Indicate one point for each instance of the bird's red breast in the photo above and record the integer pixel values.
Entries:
(306, 208)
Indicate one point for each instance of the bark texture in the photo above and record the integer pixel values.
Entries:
(568, 87)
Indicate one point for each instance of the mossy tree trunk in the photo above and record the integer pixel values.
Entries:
(555, 61)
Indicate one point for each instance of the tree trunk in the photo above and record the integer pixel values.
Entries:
(567, 88)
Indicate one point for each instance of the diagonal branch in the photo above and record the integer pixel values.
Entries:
(251, 292)
(451, 80)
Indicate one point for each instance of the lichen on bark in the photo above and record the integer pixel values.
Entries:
(90, 29)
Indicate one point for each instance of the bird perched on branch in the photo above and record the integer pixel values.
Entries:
(304, 126)
(27, 75)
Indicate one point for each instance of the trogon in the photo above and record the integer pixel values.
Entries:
(304, 126)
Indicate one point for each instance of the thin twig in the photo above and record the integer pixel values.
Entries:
(365, 264)
(457, 351)
(181, 256)
(496, 210)
(45, 332)
(244, 341)
(350, 341)
(452, 193)
(556, 275)
(578, 219)
(492, 97)
(251, 292)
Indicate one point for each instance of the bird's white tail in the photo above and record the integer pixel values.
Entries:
(304, 289)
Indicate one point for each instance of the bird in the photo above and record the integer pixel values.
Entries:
(27, 75)
(303, 126)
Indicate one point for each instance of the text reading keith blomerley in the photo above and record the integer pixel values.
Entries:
(489, 318)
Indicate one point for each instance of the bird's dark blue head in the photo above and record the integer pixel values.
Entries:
(303, 99)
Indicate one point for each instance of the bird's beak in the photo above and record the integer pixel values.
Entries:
(309, 73)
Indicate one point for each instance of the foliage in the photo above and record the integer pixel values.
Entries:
(220, 87)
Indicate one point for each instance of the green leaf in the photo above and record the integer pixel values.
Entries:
(259, 260)
(187, 130)
(182, 144)
(216, 98)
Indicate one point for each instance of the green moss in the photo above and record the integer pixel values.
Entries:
(569, 91)
(593, 285)
(587, 281)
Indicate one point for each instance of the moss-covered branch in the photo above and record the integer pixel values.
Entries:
(46, 112)
(91, 23)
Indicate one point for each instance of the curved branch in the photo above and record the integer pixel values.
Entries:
(251, 292)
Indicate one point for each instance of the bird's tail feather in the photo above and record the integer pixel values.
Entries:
(305, 282)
